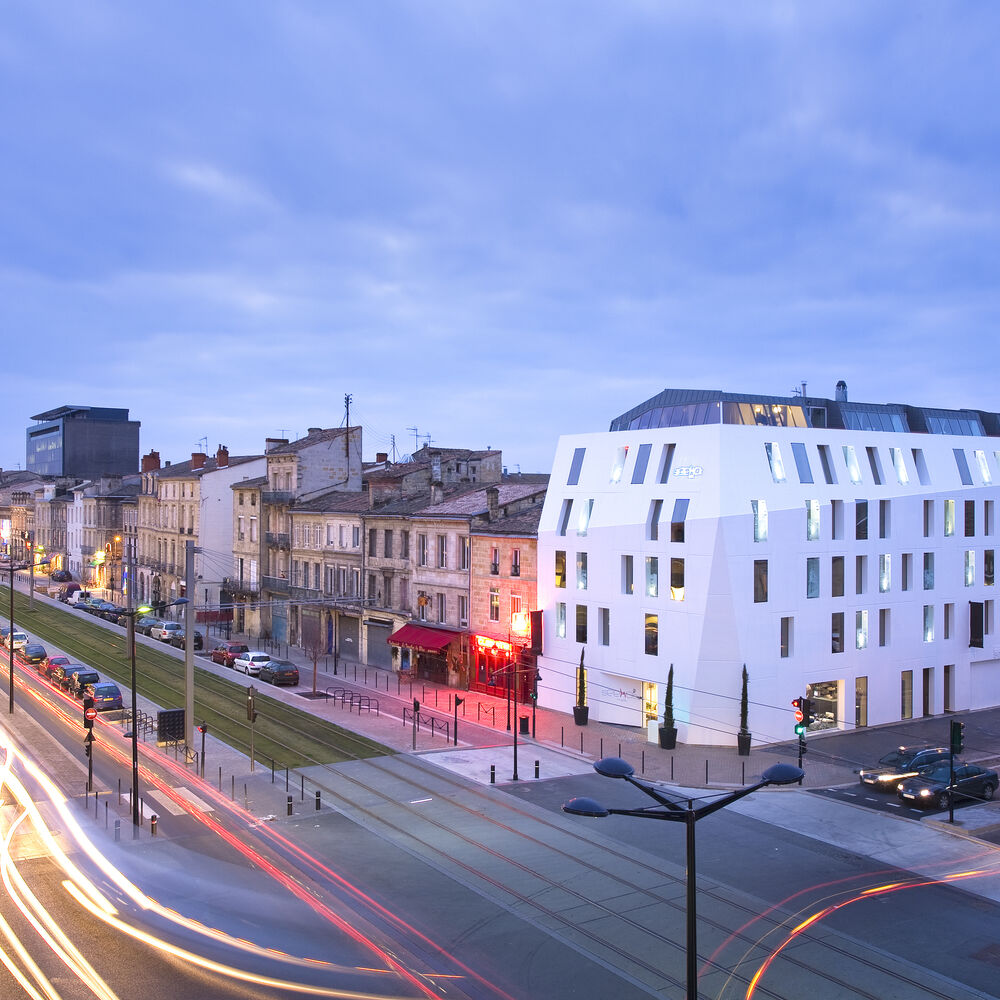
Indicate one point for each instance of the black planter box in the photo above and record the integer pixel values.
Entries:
(581, 713)
(668, 738)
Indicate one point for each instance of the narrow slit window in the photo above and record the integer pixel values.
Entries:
(653, 521)
(583, 523)
(618, 463)
(876, 465)
(984, 468)
(826, 461)
(575, 466)
(666, 461)
(918, 460)
(812, 520)
(679, 519)
(851, 461)
(801, 457)
(774, 461)
(899, 464)
(641, 461)
(964, 473)
(759, 508)
(564, 515)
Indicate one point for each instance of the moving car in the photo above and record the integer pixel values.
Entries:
(164, 630)
(931, 786)
(251, 661)
(79, 679)
(106, 694)
(33, 653)
(226, 652)
(903, 762)
(279, 672)
(178, 639)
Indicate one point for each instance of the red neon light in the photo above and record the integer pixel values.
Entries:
(487, 645)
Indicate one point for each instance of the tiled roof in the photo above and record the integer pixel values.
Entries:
(250, 484)
(473, 502)
(333, 502)
(523, 523)
(183, 470)
(314, 437)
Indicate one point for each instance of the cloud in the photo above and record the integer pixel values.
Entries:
(223, 187)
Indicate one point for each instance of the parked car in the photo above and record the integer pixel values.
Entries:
(62, 576)
(4, 632)
(115, 613)
(15, 639)
(931, 786)
(60, 675)
(77, 596)
(903, 762)
(226, 652)
(53, 664)
(79, 679)
(99, 607)
(106, 694)
(144, 624)
(34, 653)
(165, 630)
(178, 639)
(251, 662)
(279, 672)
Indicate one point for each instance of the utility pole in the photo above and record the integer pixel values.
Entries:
(189, 551)
(347, 409)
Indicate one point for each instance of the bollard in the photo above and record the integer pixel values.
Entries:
(706, 772)
(272, 770)
(743, 772)
(95, 805)
(562, 736)
(581, 743)
(671, 767)
(601, 754)
(643, 765)
(289, 805)
(105, 814)
(118, 830)
(317, 800)
(220, 779)
(153, 818)
(302, 779)
(537, 764)
(233, 791)
(619, 749)
(493, 774)
(119, 791)
(286, 778)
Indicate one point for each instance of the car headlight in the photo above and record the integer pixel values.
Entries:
(924, 792)
(899, 787)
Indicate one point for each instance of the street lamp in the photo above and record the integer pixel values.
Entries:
(671, 809)
(131, 617)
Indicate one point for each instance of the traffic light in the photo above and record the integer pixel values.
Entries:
(416, 706)
(800, 726)
(88, 713)
(807, 712)
(87, 747)
(957, 736)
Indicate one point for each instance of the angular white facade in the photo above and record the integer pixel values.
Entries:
(851, 565)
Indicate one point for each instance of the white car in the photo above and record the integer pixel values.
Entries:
(165, 630)
(16, 639)
(250, 663)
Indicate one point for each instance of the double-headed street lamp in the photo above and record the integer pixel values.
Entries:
(671, 809)
(131, 617)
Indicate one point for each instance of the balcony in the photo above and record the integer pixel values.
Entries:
(494, 569)
(275, 584)
(277, 496)
(277, 540)
(303, 594)
(234, 585)
(515, 570)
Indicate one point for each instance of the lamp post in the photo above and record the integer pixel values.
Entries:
(134, 734)
(671, 809)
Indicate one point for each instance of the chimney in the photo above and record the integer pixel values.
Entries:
(314, 430)
(841, 396)
(492, 502)
(271, 443)
(437, 493)
(198, 459)
(150, 462)
(222, 457)
(381, 457)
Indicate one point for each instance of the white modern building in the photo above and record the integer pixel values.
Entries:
(841, 550)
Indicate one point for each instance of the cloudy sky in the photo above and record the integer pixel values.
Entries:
(496, 222)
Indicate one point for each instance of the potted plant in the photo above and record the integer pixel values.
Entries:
(743, 737)
(668, 731)
(580, 710)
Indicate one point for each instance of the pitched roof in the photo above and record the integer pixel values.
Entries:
(523, 523)
(473, 502)
(333, 502)
(315, 436)
(183, 470)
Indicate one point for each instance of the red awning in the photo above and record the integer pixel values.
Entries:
(426, 640)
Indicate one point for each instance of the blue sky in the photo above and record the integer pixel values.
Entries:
(495, 221)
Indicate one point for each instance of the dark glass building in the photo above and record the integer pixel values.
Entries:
(82, 441)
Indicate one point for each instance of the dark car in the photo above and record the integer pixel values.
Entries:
(903, 762)
(62, 576)
(145, 623)
(46, 667)
(279, 672)
(34, 653)
(178, 640)
(99, 607)
(61, 673)
(114, 613)
(106, 694)
(931, 786)
(79, 679)
(226, 652)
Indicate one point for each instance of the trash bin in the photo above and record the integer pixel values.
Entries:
(524, 726)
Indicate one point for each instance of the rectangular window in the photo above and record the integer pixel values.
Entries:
(861, 630)
(387, 543)
(884, 519)
(906, 694)
(851, 461)
(928, 623)
(899, 464)
(984, 468)
(970, 568)
(561, 620)
(678, 519)
(618, 463)
(372, 540)
(495, 604)
(928, 571)
(442, 608)
(918, 460)
(666, 461)
(812, 576)
(801, 462)
(837, 632)
(581, 571)
(653, 520)
(564, 516)
(405, 553)
(421, 550)
(442, 551)
(949, 620)
(976, 624)
(970, 518)
(560, 568)
(836, 519)
(988, 617)
(515, 562)
(641, 461)
(583, 524)
(884, 619)
(928, 518)
(356, 536)
(581, 623)
(906, 571)
(987, 517)
(759, 508)
(774, 461)
(760, 581)
(786, 638)
(860, 520)
(652, 576)
(949, 518)
(652, 626)
(826, 461)
(812, 520)
(253, 529)
(463, 610)
(604, 626)
(962, 462)
(876, 465)
(515, 605)
(677, 579)
(575, 466)
(884, 573)
(988, 567)
(860, 574)
(628, 582)
(837, 576)
(463, 548)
